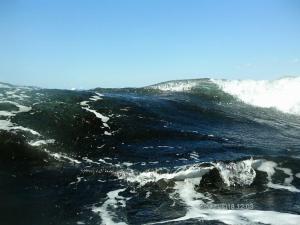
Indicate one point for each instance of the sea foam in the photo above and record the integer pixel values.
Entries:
(282, 94)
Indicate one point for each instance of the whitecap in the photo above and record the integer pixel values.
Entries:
(282, 94)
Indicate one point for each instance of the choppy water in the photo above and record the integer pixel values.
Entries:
(181, 152)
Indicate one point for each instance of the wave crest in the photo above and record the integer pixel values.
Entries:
(282, 94)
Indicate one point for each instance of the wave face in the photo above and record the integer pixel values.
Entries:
(282, 94)
(199, 151)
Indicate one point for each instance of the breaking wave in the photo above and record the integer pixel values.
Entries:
(282, 94)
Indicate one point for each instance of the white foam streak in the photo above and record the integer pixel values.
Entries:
(96, 97)
(113, 200)
(85, 105)
(5, 125)
(21, 108)
(8, 125)
(287, 171)
(61, 157)
(41, 142)
(98, 115)
(6, 113)
(269, 167)
(26, 129)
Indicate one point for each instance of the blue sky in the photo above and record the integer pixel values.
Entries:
(117, 43)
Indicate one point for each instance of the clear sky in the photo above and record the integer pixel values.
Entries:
(117, 43)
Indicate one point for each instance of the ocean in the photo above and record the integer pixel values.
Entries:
(201, 151)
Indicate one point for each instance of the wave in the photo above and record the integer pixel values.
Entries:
(282, 94)
(191, 183)
(182, 146)
(223, 174)
(180, 85)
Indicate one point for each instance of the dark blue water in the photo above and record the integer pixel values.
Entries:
(181, 152)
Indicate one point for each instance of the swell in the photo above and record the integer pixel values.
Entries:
(115, 155)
